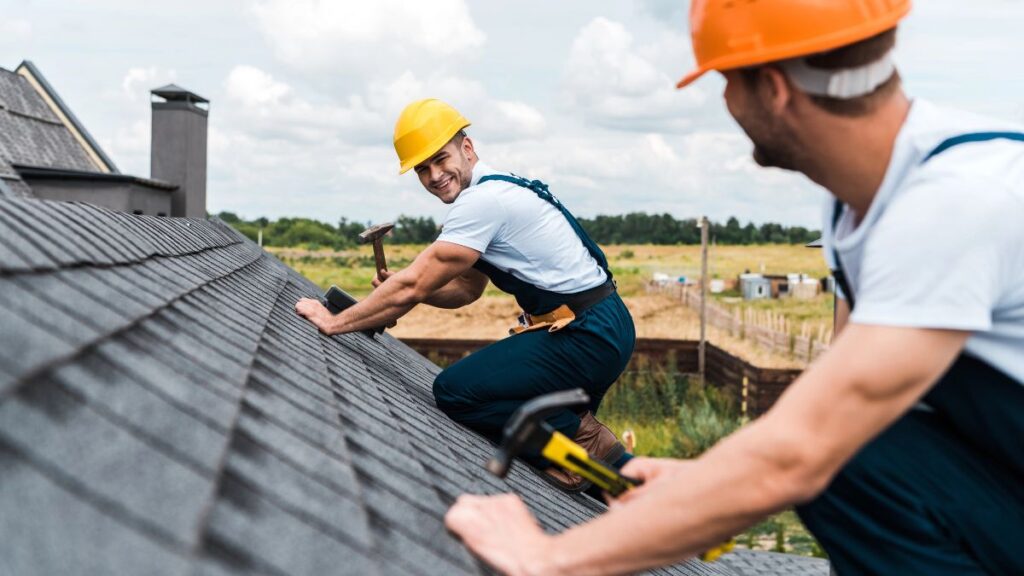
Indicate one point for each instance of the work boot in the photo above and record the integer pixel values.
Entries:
(599, 441)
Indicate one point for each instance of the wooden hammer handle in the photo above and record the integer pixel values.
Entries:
(378, 256)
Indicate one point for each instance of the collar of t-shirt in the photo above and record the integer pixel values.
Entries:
(479, 171)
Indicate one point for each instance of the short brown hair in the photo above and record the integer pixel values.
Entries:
(850, 56)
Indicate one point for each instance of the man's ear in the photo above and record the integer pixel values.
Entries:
(467, 147)
(774, 89)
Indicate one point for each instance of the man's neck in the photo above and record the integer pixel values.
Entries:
(851, 156)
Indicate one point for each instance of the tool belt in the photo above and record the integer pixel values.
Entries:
(563, 315)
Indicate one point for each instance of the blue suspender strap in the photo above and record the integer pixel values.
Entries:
(838, 273)
(541, 189)
(972, 137)
(946, 144)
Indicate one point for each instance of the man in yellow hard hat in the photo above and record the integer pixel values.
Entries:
(575, 331)
(903, 446)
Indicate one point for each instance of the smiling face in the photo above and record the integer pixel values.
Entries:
(448, 172)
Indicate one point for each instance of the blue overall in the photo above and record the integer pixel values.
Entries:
(940, 492)
(482, 390)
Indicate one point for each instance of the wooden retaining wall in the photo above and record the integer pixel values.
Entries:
(764, 385)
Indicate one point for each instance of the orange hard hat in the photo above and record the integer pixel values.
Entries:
(729, 34)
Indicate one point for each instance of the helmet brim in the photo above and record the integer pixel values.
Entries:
(691, 77)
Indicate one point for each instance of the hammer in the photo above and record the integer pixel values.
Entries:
(526, 431)
(376, 235)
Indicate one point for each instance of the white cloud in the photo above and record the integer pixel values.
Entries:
(339, 37)
(616, 84)
(493, 119)
(686, 175)
(138, 81)
(260, 105)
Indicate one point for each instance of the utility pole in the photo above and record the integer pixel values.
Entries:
(702, 349)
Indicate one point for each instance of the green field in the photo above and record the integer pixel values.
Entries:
(632, 265)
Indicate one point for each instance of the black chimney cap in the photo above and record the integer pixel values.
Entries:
(175, 93)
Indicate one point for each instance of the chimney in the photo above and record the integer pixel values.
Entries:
(178, 147)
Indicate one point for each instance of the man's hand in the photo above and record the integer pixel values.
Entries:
(653, 472)
(381, 277)
(316, 313)
(502, 532)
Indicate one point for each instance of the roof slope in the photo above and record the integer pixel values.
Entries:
(163, 410)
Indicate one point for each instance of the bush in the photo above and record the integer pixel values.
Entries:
(704, 418)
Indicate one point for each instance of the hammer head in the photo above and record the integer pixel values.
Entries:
(374, 232)
(526, 427)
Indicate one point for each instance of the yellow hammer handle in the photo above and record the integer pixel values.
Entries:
(715, 553)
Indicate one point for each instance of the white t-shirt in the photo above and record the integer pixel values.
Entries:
(518, 232)
(942, 245)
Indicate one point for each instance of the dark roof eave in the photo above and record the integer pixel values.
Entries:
(44, 173)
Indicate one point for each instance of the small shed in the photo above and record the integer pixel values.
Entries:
(755, 287)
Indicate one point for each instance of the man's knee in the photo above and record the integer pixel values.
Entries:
(450, 392)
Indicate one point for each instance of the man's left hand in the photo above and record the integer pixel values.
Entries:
(502, 532)
(316, 313)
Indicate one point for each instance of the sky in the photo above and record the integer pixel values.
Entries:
(578, 93)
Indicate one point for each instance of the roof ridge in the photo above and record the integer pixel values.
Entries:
(202, 521)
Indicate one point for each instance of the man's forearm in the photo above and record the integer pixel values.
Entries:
(390, 301)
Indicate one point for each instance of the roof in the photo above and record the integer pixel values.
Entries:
(173, 92)
(52, 99)
(163, 409)
(37, 129)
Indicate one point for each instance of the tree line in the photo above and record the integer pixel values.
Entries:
(633, 228)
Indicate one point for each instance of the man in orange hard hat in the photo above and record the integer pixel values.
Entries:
(575, 331)
(903, 446)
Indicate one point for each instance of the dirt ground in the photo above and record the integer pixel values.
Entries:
(656, 316)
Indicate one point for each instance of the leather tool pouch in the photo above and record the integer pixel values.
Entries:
(554, 321)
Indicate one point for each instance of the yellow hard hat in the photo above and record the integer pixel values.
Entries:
(423, 128)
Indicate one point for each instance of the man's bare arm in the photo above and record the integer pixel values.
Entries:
(462, 290)
(871, 377)
(435, 267)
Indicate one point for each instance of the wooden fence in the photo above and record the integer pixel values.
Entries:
(759, 387)
(769, 330)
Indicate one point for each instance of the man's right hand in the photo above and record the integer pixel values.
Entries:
(652, 471)
(381, 277)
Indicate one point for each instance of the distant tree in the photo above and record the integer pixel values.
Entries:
(229, 217)
(411, 230)
(631, 228)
